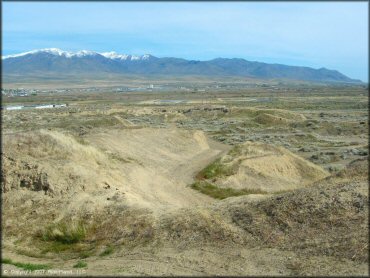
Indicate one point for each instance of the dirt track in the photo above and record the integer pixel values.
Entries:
(163, 163)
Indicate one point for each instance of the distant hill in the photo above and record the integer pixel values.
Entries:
(55, 61)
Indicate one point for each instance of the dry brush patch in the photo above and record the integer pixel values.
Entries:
(320, 220)
(199, 226)
(82, 236)
(118, 228)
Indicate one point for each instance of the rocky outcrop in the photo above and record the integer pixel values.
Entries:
(18, 174)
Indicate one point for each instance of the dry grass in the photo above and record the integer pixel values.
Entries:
(121, 226)
(315, 221)
(198, 225)
(65, 232)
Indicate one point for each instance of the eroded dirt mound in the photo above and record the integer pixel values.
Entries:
(270, 119)
(267, 168)
(50, 161)
(313, 221)
(267, 116)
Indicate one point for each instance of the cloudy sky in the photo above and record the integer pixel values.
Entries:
(316, 34)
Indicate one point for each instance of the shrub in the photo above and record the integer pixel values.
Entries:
(65, 233)
(80, 264)
(222, 193)
(215, 169)
(107, 251)
(85, 255)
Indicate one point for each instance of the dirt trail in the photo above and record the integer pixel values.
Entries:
(161, 164)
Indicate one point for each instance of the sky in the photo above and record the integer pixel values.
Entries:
(315, 34)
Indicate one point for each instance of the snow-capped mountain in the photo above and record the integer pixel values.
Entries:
(54, 61)
(83, 53)
(115, 56)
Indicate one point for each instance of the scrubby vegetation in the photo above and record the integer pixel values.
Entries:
(80, 264)
(107, 251)
(65, 233)
(215, 169)
(222, 193)
(25, 266)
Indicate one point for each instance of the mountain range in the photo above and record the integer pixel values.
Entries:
(55, 61)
